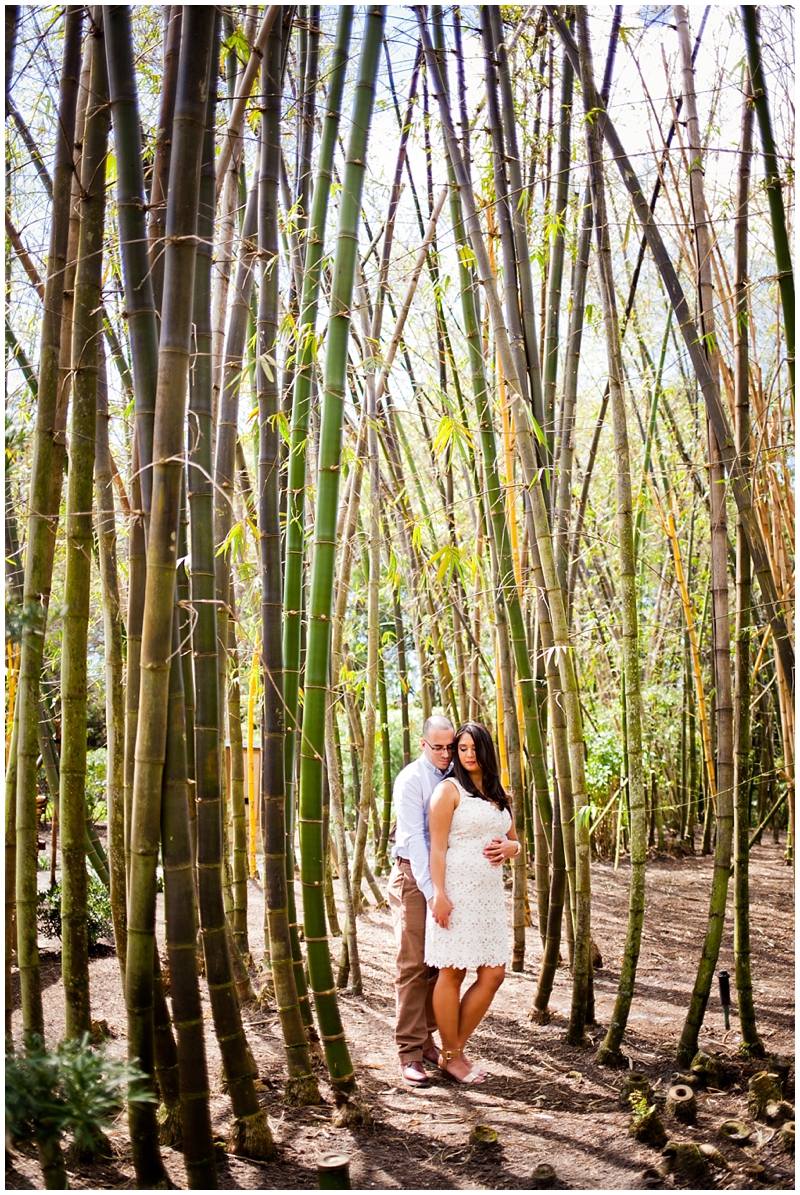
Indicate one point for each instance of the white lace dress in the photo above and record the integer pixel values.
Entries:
(478, 933)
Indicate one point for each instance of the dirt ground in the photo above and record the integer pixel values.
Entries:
(549, 1103)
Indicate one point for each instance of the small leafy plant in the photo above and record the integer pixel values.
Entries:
(73, 1089)
(98, 912)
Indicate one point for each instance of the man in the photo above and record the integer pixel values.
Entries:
(410, 889)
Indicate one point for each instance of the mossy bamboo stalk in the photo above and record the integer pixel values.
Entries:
(302, 1085)
(189, 125)
(72, 799)
(742, 759)
(41, 529)
(112, 644)
(320, 607)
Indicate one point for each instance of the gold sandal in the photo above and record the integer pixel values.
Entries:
(470, 1078)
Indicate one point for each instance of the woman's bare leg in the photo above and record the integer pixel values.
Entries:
(476, 1001)
(446, 1005)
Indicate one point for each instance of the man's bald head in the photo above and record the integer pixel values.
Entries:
(437, 722)
(438, 734)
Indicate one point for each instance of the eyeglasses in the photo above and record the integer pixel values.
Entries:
(438, 750)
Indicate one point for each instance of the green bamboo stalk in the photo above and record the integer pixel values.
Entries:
(351, 1110)
(723, 695)
(137, 277)
(143, 331)
(302, 1086)
(224, 479)
(516, 193)
(780, 237)
(238, 826)
(180, 907)
(742, 758)
(41, 529)
(609, 1051)
(72, 799)
(716, 411)
(382, 862)
(250, 1133)
(193, 87)
(296, 479)
(112, 643)
(157, 199)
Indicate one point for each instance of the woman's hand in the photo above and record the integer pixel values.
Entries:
(500, 849)
(441, 906)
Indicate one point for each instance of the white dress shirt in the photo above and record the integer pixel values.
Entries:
(413, 789)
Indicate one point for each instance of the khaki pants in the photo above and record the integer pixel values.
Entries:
(414, 980)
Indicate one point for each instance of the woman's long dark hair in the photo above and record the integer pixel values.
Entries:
(486, 756)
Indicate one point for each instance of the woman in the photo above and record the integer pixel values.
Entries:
(472, 832)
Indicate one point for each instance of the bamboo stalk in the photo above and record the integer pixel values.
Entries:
(751, 1042)
(320, 606)
(42, 521)
(783, 256)
(711, 396)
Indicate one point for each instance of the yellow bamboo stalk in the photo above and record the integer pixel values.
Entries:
(508, 458)
(760, 656)
(251, 776)
(12, 663)
(501, 726)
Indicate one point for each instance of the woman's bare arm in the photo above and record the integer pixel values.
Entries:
(443, 804)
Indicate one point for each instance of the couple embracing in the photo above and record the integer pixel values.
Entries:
(454, 830)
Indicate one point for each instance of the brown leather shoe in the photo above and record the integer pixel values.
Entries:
(414, 1073)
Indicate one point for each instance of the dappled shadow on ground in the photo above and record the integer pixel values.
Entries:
(549, 1102)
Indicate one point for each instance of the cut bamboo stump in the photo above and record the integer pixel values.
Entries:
(786, 1136)
(734, 1131)
(709, 1069)
(779, 1113)
(635, 1083)
(764, 1089)
(685, 1160)
(648, 1127)
(333, 1172)
(483, 1135)
(682, 1104)
(543, 1177)
(714, 1157)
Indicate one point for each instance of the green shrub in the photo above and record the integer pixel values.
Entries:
(98, 912)
(73, 1089)
(96, 762)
